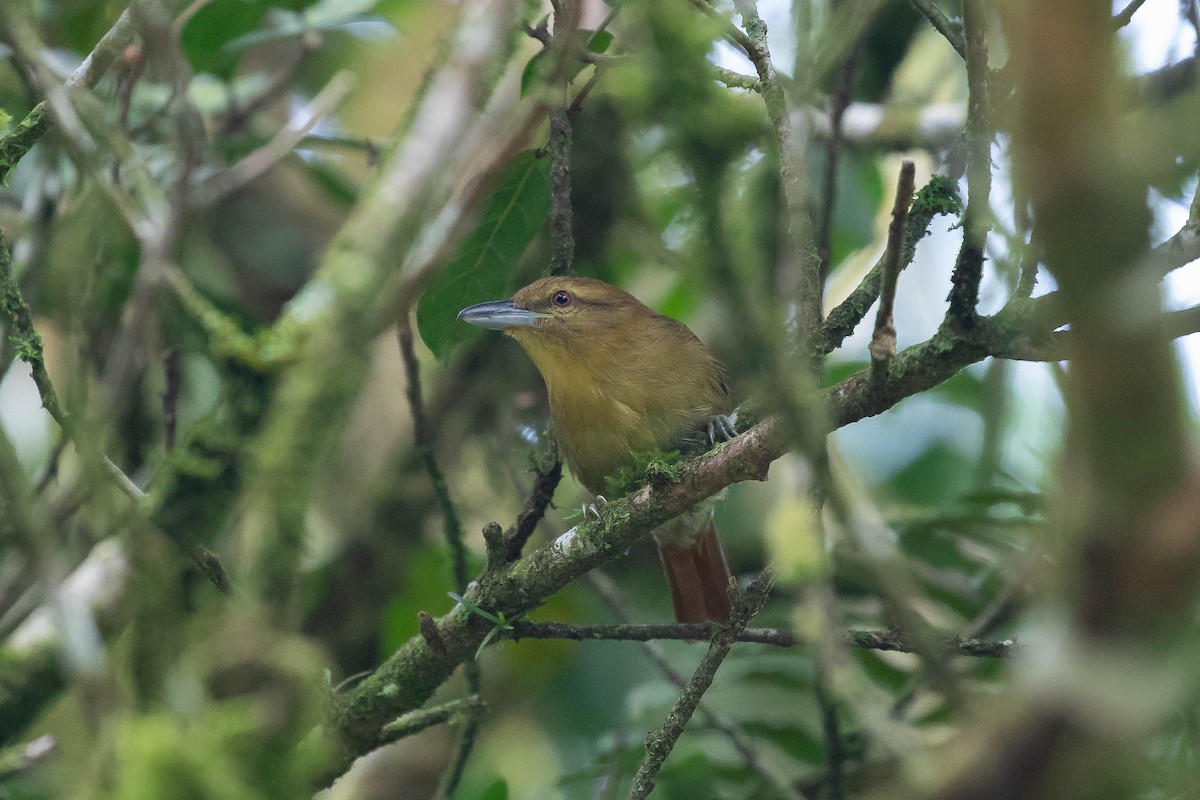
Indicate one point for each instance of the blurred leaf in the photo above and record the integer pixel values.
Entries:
(214, 25)
(423, 589)
(537, 66)
(938, 474)
(837, 371)
(937, 549)
(497, 791)
(859, 196)
(513, 216)
(1028, 502)
(882, 672)
(963, 389)
(792, 739)
(794, 541)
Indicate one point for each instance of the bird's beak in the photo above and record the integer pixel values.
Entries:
(500, 314)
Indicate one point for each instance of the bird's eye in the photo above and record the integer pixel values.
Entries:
(562, 299)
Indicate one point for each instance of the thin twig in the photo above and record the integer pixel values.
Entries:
(838, 102)
(257, 162)
(751, 756)
(417, 721)
(947, 27)
(237, 114)
(883, 340)
(29, 130)
(731, 31)
(800, 268)
(736, 80)
(1126, 16)
(835, 753)
(536, 502)
(577, 104)
(170, 396)
(1027, 278)
(939, 196)
(891, 640)
(660, 743)
(423, 441)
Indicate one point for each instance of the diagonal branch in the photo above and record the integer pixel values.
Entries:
(660, 743)
(947, 27)
(28, 131)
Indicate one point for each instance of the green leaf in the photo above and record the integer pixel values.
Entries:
(535, 67)
(513, 216)
(497, 791)
(215, 24)
(792, 739)
(532, 71)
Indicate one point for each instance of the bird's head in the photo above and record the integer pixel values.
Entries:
(559, 313)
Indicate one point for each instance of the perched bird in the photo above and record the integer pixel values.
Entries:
(623, 379)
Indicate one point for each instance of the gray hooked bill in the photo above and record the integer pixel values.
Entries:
(500, 314)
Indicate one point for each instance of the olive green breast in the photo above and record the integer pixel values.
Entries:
(638, 384)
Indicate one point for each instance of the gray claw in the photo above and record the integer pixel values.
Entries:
(594, 508)
(722, 427)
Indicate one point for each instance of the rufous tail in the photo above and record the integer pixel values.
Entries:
(698, 578)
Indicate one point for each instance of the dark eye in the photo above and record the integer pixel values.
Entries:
(562, 299)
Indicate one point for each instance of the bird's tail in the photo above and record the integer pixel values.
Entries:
(696, 573)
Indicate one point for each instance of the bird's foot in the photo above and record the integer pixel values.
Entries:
(722, 427)
(594, 508)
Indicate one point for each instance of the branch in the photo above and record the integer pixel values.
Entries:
(259, 161)
(540, 495)
(968, 269)
(804, 268)
(939, 196)
(28, 131)
(952, 30)
(883, 341)
(661, 742)
(751, 755)
(732, 32)
(736, 80)
(417, 721)
(423, 441)
(1126, 16)
(693, 633)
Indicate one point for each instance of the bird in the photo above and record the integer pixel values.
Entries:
(622, 380)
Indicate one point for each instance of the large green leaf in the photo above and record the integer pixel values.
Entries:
(514, 215)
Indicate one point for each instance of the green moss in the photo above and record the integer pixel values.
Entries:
(648, 467)
(939, 196)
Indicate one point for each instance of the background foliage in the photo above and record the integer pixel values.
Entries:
(225, 506)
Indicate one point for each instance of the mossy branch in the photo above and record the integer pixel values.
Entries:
(17, 142)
